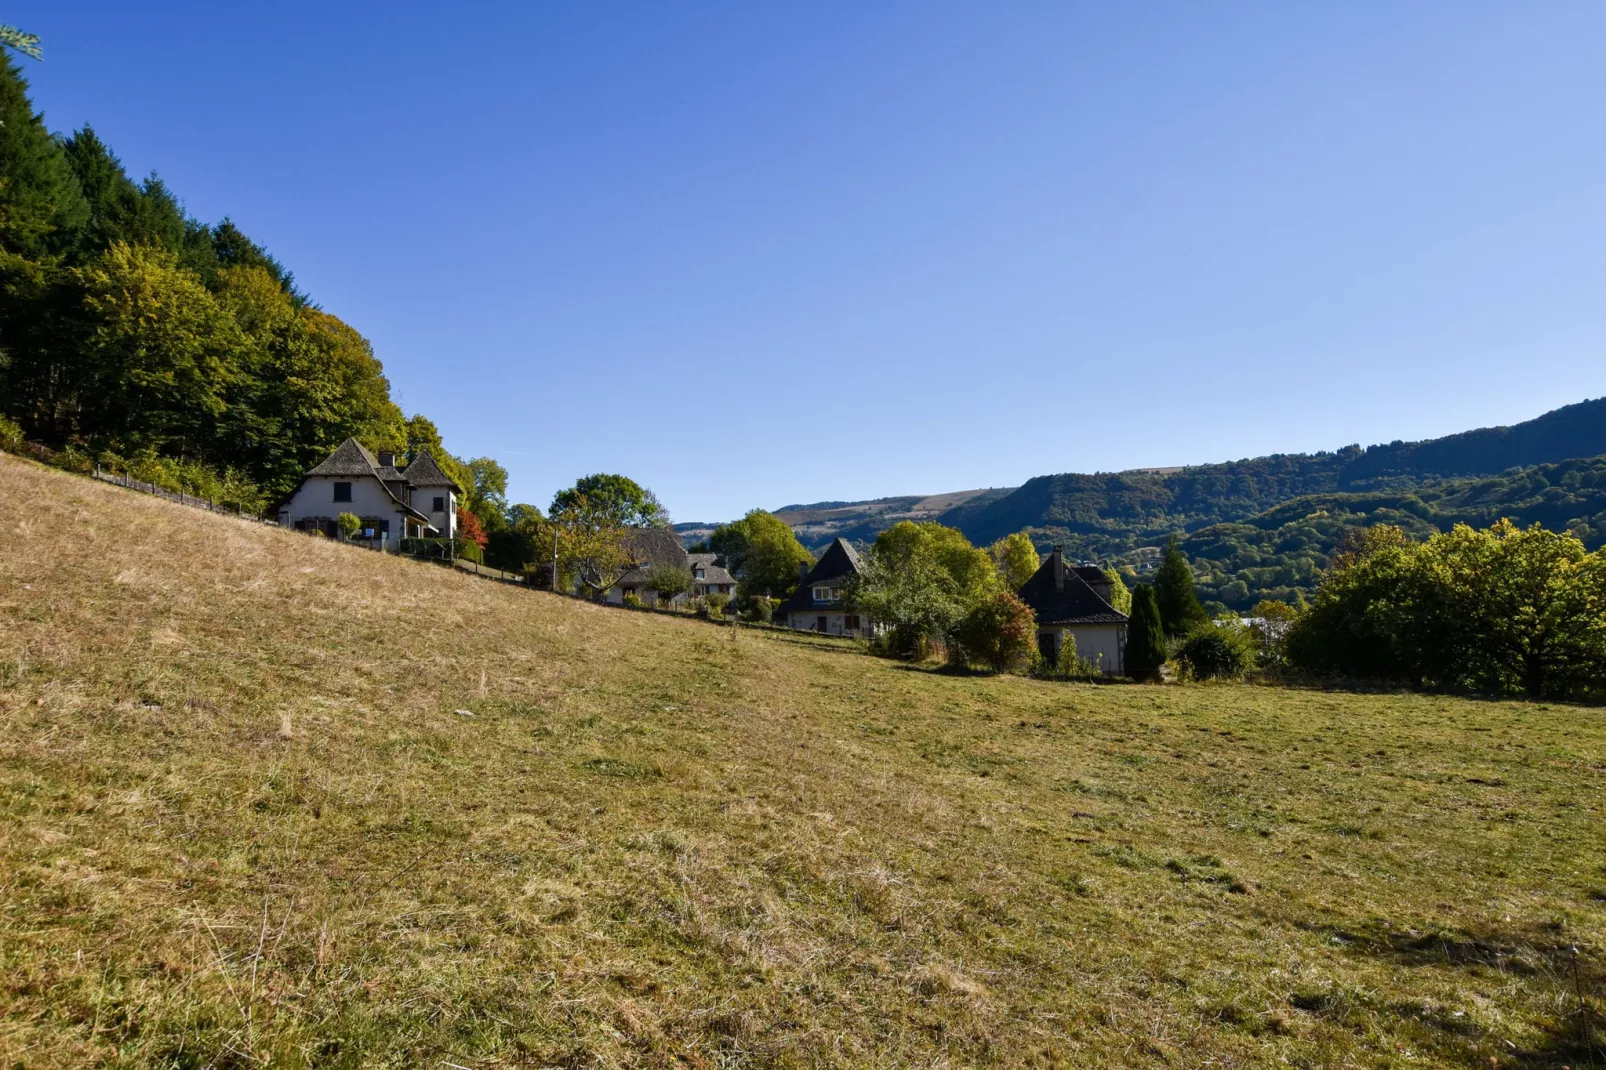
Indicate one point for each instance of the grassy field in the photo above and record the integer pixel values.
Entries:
(268, 800)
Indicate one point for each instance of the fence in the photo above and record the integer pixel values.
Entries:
(177, 496)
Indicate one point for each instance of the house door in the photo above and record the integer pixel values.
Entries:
(1048, 645)
(819, 624)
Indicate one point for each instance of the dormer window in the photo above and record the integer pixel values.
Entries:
(826, 594)
(699, 573)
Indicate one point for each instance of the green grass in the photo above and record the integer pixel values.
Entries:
(243, 822)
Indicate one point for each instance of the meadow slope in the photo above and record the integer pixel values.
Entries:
(242, 822)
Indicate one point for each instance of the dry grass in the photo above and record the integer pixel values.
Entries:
(243, 821)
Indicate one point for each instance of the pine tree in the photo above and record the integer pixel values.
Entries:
(41, 207)
(1173, 593)
(1145, 636)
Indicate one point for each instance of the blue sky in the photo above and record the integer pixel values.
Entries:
(754, 254)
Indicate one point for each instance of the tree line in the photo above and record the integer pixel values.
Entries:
(179, 352)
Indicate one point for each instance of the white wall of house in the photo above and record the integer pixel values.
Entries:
(836, 622)
(444, 519)
(1102, 644)
(316, 498)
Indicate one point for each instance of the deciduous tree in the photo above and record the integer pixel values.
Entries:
(763, 554)
(1016, 559)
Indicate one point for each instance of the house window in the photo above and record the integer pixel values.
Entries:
(342, 492)
(850, 623)
(699, 573)
(440, 505)
(825, 594)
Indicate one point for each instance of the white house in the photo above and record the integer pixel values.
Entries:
(819, 603)
(392, 504)
(1075, 602)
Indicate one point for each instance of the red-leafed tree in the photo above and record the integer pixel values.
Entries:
(468, 527)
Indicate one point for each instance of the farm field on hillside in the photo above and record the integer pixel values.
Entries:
(266, 800)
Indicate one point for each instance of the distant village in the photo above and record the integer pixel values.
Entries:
(402, 508)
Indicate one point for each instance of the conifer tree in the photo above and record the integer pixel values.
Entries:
(1173, 592)
(41, 207)
(1145, 636)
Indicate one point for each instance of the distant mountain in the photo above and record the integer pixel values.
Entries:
(1107, 514)
(817, 524)
(1265, 526)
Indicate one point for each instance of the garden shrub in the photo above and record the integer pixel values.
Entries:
(1222, 650)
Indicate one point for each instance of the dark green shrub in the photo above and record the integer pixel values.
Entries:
(1223, 650)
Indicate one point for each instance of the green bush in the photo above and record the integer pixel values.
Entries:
(1218, 650)
(349, 524)
(10, 434)
(633, 601)
(1000, 633)
(716, 605)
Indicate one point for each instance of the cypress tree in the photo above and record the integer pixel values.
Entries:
(1173, 593)
(1145, 637)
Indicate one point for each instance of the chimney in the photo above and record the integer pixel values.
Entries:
(387, 459)
(1057, 560)
(803, 570)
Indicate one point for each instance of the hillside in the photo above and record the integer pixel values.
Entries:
(1265, 526)
(1106, 513)
(266, 799)
(1282, 551)
(1112, 516)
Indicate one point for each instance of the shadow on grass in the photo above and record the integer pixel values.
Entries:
(1541, 955)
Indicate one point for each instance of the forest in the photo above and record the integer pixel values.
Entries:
(139, 338)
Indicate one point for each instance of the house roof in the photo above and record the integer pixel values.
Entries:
(1091, 574)
(424, 472)
(351, 458)
(714, 570)
(1074, 603)
(657, 545)
(839, 563)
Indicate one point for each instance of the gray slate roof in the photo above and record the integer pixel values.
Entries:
(713, 571)
(836, 566)
(424, 472)
(1075, 603)
(350, 458)
(653, 546)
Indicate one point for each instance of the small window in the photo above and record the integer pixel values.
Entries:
(850, 623)
(822, 594)
(342, 492)
(699, 573)
(440, 505)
